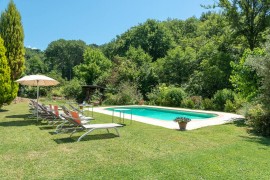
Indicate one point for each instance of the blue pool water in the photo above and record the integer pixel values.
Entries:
(161, 113)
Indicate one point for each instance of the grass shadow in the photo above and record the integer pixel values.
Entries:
(18, 123)
(86, 138)
(239, 123)
(3, 110)
(24, 116)
(257, 139)
(47, 127)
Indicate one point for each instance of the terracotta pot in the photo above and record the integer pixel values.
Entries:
(182, 126)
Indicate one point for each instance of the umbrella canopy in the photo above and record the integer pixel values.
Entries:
(37, 80)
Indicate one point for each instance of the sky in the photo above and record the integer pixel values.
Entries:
(94, 21)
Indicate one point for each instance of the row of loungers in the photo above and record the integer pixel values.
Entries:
(71, 121)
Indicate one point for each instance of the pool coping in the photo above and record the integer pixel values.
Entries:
(221, 117)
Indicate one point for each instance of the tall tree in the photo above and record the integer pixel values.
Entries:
(243, 78)
(5, 83)
(177, 66)
(152, 36)
(95, 65)
(11, 30)
(34, 61)
(248, 17)
(62, 55)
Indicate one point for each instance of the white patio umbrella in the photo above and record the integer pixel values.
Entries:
(37, 80)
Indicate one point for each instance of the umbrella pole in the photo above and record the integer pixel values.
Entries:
(37, 99)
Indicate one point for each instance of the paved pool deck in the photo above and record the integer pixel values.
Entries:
(221, 117)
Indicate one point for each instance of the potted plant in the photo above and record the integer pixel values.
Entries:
(182, 122)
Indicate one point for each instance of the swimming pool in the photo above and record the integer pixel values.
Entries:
(161, 113)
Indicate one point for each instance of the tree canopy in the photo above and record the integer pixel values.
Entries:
(62, 55)
(248, 18)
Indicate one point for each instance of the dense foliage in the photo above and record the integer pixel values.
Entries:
(259, 116)
(248, 18)
(62, 55)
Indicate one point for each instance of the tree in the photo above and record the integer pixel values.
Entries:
(11, 30)
(177, 66)
(259, 116)
(34, 61)
(138, 55)
(261, 63)
(95, 64)
(244, 78)
(152, 36)
(62, 55)
(207, 80)
(248, 18)
(5, 87)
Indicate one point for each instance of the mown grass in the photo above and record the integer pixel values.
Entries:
(31, 151)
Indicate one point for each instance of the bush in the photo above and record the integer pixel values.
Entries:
(188, 103)
(259, 119)
(220, 98)
(174, 96)
(208, 104)
(31, 91)
(166, 96)
(197, 101)
(157, 95)
(127, 94)
(229, 106)
(72, 89)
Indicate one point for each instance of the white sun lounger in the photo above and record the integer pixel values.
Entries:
(91, 127)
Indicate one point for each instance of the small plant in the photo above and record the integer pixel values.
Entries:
(182, 122)
(182, 119)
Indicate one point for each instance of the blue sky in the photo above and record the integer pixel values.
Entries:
(94, 21)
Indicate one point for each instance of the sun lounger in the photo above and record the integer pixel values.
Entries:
(66, 125)
(90, 127)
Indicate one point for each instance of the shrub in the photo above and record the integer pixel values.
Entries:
(174, 96)
(220, 98)
(110, 99)
(197, 101)
(127, 94)
(31, 91)
(188, 103)
(166, 95)
(229, 106)
(208, 104)
(157, 95)
(72, 89)
(259, 119)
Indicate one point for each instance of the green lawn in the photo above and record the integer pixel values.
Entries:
(31, 151)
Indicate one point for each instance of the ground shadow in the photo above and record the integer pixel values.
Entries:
(24, 116)
(240, 122)
(236, 122)
(3, 110)
(18, 123)
(54, 133)
(87, 138)
(46, 127)
(257, 139)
